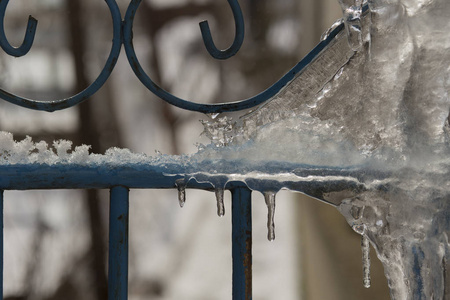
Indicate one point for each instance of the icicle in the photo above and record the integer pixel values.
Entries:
(220, 204)
(269, 196)
(181, 185)
(365, 247)
(213, 115)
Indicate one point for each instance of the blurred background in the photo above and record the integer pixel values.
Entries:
(56, 241)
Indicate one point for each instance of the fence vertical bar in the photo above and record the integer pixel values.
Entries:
(118, 244)
(242, 243)
(1, 244)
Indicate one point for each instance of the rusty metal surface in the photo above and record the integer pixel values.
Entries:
(164, 176)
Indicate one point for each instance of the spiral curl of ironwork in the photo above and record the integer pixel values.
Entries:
(123, 34)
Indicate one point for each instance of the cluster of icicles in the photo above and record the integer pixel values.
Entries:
(269, 197)
(61, 152)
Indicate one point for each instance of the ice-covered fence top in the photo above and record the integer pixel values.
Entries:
(123, 34)
(28, 165)
(321, 64)
(323, 126)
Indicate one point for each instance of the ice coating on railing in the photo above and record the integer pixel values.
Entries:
(376, 98)
(352, 11)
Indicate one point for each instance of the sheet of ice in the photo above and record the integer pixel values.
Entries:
(377, 98)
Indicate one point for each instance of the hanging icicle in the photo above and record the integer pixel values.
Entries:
(181, 186)
(365, 247)
(220, 203)
(269, 196)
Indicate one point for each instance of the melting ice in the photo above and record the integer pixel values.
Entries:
(373, 108)
(365, 127)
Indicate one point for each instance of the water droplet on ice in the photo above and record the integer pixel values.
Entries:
(220, 204)
(339, 73)
(329, 30)
(181, 186)
(213, 116)
(324, 35)
(365, 247)
(269, 196)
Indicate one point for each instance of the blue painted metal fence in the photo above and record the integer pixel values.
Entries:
(23, 177)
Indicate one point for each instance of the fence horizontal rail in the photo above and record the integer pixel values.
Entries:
(309, 180)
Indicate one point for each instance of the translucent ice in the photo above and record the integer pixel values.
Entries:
(329, 30)
(218, 130)
(181, 186)
(387, 101)
(220, 204)
(377, 98)
(365, 246)
(269, 197)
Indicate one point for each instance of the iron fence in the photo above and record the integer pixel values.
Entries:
(120, 178)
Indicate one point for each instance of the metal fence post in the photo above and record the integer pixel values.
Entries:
(118, 244)
(242, 243)
(1, 244)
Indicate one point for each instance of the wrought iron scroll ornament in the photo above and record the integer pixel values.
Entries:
(123, 34)
(239, 37)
